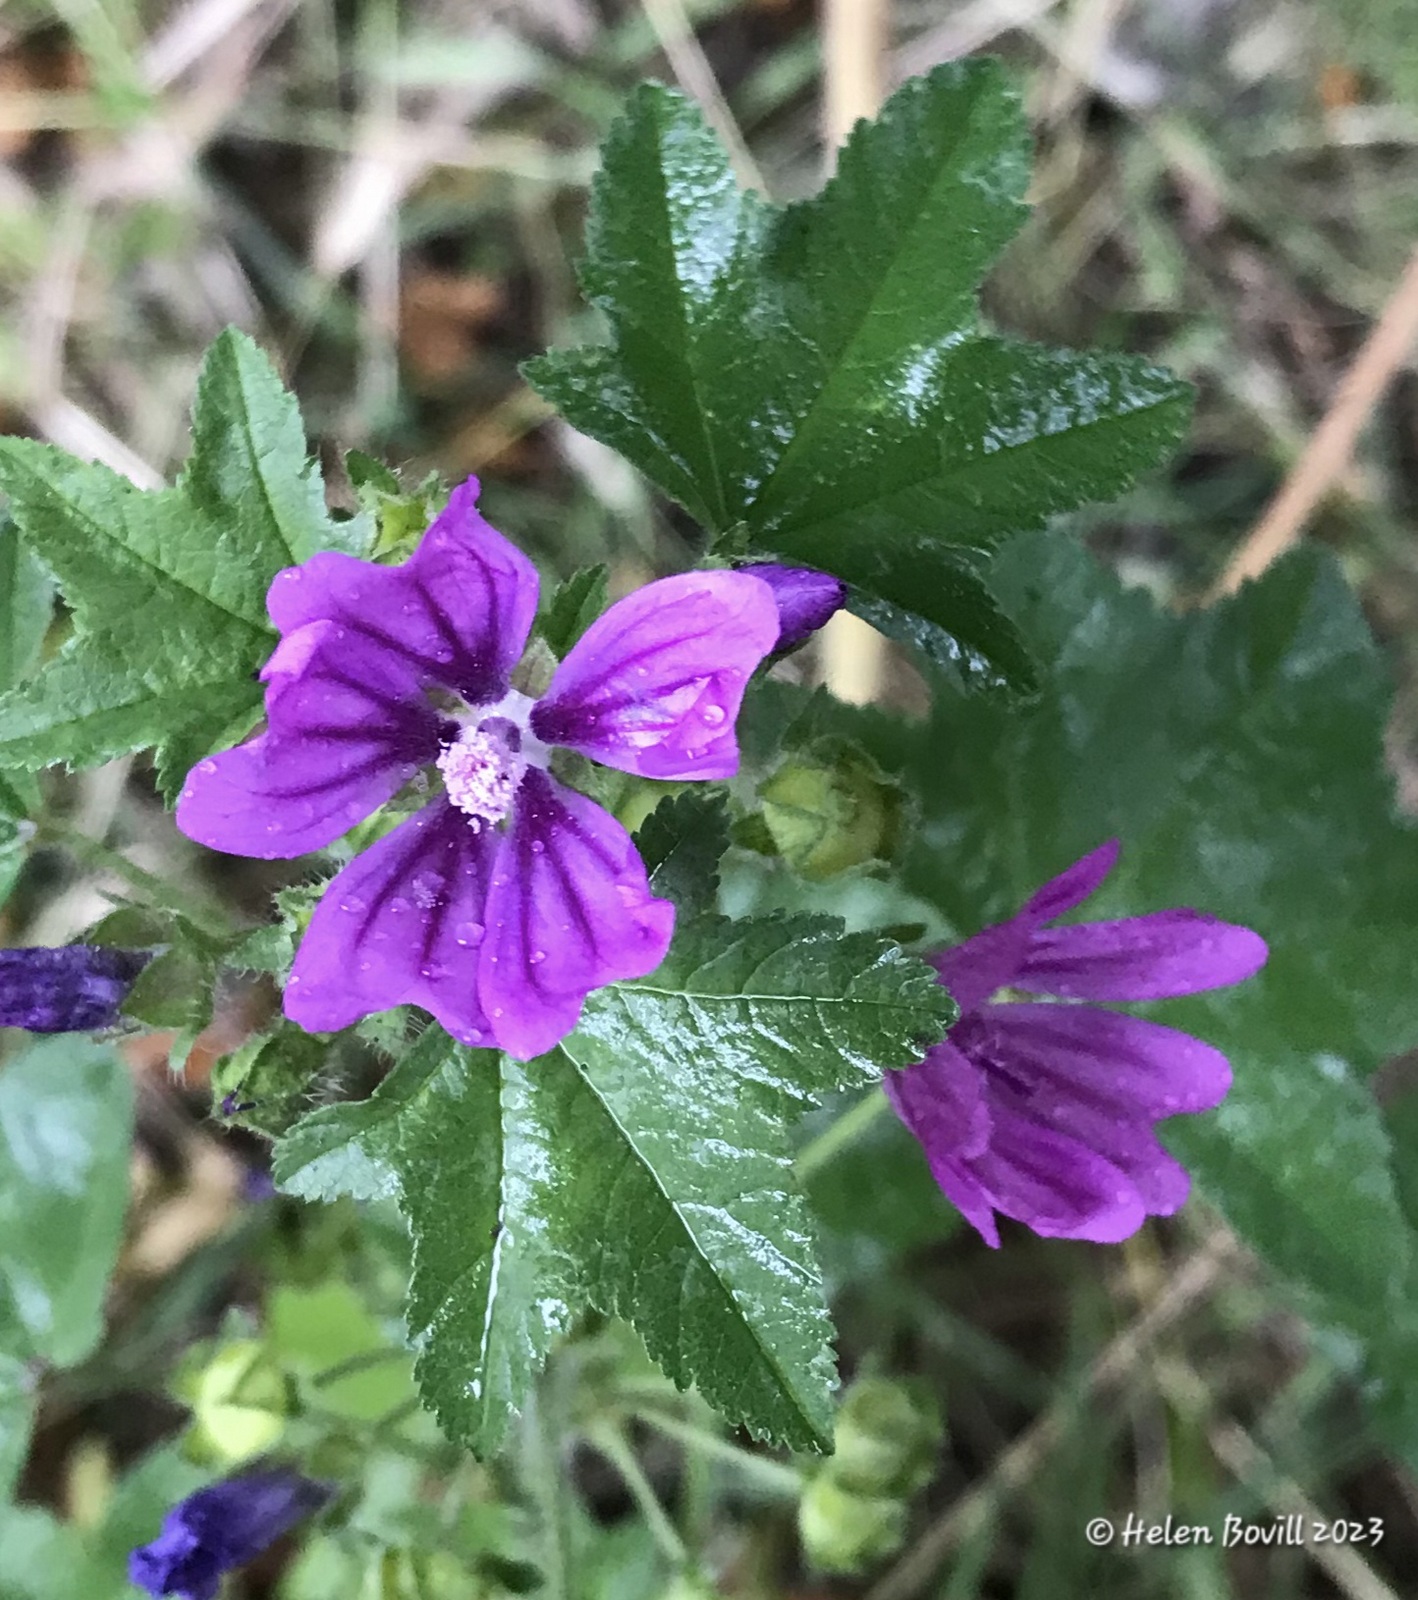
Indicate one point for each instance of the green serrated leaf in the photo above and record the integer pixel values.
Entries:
(66, 1119)
(817, 375)
(267, 1082)
(642, 1168)
(249, 471)
(681, 843)
(574, 607)
(167, 588)
(26, 606)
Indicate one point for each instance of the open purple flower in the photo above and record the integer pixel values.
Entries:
(508, 897)
(221, 1528)
(1045, 1112)
(74, 988)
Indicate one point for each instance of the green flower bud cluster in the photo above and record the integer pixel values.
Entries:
(853, 1515)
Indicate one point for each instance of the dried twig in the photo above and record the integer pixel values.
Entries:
(676, 37)
(854, 65)
(1331, 445)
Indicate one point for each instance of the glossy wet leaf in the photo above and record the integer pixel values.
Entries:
(167, 588)
(642, 1168)
(681, 843)
(814, 379)
(66, 1120)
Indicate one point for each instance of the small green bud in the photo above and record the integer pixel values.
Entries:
(887, 1438)
(829, 808)
(845, 1532)
(240, 1401)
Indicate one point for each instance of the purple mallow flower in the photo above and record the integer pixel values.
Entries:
(72, 989)
(806, 600)
(220, 1528)
(509, 896)
(1045, 1112)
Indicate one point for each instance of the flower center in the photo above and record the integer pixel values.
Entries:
(482, 768)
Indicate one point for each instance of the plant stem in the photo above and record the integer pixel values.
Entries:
(612, 1444)
(819, 1151)
(773, 1476)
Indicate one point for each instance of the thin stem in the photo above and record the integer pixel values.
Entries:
(357, 1363)
(612, 1444)
(851, 1125)
(773, 1476)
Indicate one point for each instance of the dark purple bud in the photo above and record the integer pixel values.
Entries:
(72, 989)
(221, 1528)
(806, 599)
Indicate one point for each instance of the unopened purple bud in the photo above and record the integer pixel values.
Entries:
(220, 1528)
(72, 989)
(806, 599)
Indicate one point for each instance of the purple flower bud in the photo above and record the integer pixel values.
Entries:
(72, 989)
(220, 1528)
(806, 599)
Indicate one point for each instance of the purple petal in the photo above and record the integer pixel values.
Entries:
(457, 613)
(1072, 1095)
(1127, 1065)
(654, 685)
(941, 1100)
(570, 909)
(1056, 1184)
(348, 726)
(72, 989)
(1072, 886)
(984, 963)
(220, 1528)
(400, 925)
(805, 599)
(1151, 957)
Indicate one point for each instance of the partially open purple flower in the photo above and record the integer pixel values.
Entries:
(72, 989)
(508, 897)
(806, 599)
(221, 1528)
(1045, 1112)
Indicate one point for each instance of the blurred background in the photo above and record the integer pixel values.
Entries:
(390, 197)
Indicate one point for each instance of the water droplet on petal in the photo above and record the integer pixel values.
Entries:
(537, 957)
(497, 1011)
(207, 766)
(713, 715)
(538, 848)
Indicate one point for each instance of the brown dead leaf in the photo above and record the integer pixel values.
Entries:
(441, 315)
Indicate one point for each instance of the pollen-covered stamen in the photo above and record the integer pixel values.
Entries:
(482, 768)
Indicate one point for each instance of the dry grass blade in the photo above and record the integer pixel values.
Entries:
(1331, 446)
